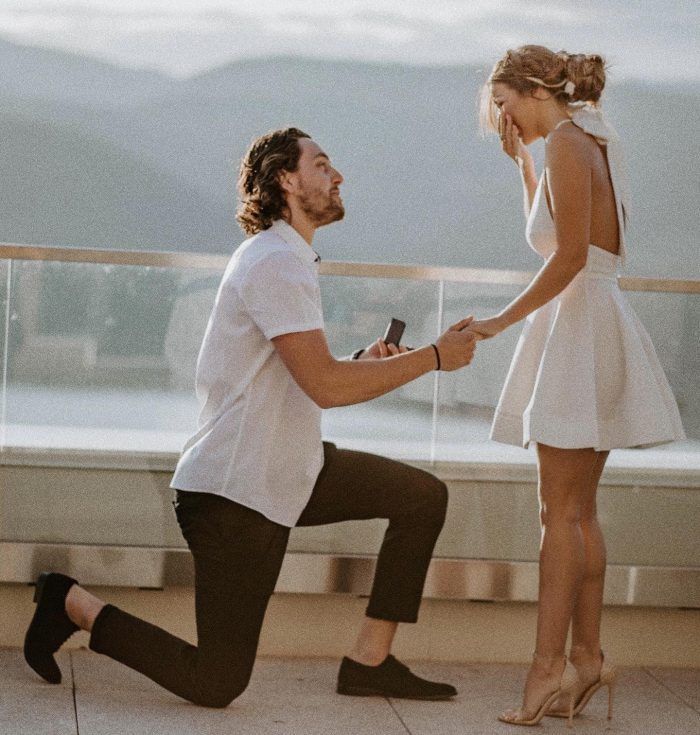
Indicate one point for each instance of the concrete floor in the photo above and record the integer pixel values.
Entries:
(296, 697)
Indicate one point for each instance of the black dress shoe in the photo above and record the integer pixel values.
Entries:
(390, 679)
(50, 627)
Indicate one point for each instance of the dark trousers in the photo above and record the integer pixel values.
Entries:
(237, 558)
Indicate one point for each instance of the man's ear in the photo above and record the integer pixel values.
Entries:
(287, 181)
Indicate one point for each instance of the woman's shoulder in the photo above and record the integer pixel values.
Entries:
(570, 142)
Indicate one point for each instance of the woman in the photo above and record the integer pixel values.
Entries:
(585, 378)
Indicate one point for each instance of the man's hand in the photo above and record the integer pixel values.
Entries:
(456, 346)
(380, 349)
(330, 382)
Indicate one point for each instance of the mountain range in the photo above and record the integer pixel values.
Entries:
(100, 156)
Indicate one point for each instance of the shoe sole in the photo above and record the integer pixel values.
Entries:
(368, 692)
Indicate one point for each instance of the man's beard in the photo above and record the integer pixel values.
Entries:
(331, 211)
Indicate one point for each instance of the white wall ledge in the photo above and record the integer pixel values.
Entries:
(645, 468)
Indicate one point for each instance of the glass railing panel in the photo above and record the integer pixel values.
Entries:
(357, 311)
(404, 425)
(467, 397)
(398, 425)
(102, 357)
(673, 323)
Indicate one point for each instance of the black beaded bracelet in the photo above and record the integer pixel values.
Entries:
(437, 355)
(357, 353)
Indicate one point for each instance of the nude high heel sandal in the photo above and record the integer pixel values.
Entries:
(567, 689)
(607, 678)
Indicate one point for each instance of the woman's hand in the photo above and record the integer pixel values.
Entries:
(487, 328)
(380, 349)
(511, 144)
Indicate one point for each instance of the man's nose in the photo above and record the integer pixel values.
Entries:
(337, 176)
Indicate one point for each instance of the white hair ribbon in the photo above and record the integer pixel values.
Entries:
(592, 121)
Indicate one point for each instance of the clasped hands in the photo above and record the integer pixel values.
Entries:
(480, 328)
(487, 328)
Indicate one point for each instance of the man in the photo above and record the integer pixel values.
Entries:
(257, 466)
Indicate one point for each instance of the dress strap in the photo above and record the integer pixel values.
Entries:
(557, 126)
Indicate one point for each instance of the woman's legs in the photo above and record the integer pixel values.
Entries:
(565, 478)
(564, 481)
(585, 624)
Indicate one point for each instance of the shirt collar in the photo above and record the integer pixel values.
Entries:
(295, 241)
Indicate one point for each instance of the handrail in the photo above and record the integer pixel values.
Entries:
(169, 259)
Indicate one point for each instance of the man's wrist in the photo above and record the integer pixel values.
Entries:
(438, 362)
(428, 357)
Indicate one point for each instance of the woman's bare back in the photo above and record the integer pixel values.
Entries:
(604, 227)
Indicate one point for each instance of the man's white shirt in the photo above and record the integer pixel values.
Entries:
(259, 436)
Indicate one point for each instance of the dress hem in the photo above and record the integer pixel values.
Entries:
(510, 430)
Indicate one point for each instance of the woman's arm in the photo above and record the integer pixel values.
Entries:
(528, 176)
(568, 176)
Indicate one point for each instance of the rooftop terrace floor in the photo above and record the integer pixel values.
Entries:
(297, 697)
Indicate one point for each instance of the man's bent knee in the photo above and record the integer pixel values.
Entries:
(220, 696)
(431, 499)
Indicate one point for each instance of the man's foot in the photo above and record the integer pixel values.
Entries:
(390, 679)
(50, 627)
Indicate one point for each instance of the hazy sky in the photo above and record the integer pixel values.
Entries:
(655, 39)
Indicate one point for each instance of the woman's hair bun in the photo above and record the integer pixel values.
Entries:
(587, 72)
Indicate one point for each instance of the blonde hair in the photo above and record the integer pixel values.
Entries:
(569, 77)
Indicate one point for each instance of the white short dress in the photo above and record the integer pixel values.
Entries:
(585, 373)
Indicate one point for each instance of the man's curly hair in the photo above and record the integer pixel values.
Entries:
(262, 198)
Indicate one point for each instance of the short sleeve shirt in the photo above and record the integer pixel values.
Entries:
(259, 435)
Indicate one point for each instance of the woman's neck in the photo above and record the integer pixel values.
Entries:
(551, 118)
